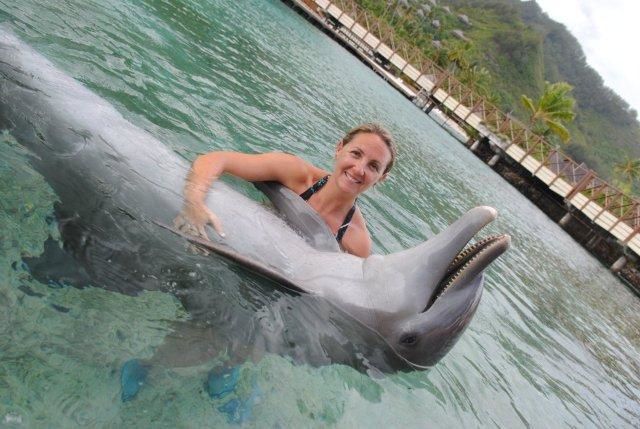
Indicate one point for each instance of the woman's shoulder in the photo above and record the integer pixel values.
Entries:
(301, 173)
(314, 173)
(291, 170)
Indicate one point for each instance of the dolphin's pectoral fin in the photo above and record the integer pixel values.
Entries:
(300, 216)
(227, 252)
(55, 267)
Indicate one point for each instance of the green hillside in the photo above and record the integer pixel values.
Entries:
(509, 48)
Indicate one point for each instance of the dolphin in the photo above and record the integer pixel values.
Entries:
(123, 182)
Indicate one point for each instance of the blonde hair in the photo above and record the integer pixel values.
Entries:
(380, 131)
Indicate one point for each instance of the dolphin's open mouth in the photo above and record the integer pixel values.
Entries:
(471, 261)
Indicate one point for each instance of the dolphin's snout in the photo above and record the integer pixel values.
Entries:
(492, 211)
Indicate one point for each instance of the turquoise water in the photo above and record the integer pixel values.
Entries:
(555, 341)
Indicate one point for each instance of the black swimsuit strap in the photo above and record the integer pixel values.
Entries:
(314, 188)
(345, 223)
(347, 219)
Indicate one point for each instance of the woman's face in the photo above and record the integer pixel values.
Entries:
(361, 163)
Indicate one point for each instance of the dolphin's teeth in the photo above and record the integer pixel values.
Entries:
(456, 268)
(452, 279)
(469, 250)
(447, 285)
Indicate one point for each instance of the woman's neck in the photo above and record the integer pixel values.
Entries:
(330, 200)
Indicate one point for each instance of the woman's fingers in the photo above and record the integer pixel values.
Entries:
(179, 222)
(187, 226)
(183, 224)
(216, 223)
(202, 232)
(197, 225)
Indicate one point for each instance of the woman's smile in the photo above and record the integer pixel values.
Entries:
(353, 179)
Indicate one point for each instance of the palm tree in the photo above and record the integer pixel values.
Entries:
(458, 56)
(477, 77)
(552, 110)
(629, 170)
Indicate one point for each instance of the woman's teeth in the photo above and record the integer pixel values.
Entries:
(353, 179)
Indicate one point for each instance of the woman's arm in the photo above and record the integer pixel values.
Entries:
(291, 171)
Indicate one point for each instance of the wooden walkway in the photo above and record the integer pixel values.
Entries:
(423, 81)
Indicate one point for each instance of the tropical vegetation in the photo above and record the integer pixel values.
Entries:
(552, 111)
(627, 173)
(510, 48)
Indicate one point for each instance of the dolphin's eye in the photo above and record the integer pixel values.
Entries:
(409, 340)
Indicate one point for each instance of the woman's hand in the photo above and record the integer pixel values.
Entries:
(194, 218)
(289, 170)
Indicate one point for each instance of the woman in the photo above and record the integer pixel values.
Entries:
(363, 158)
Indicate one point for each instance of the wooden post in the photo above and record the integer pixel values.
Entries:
(580, 185)
(437, 83)
(623, 216)
(366, 33)
(430, 108)
(630, 236)
(528, 152)
(619, 264)
(593, 241)
(473, 109)
(565, 219)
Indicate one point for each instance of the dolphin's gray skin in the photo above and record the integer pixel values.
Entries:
(119, 180)
(299, 216)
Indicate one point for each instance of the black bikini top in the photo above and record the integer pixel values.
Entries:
(347, 219)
